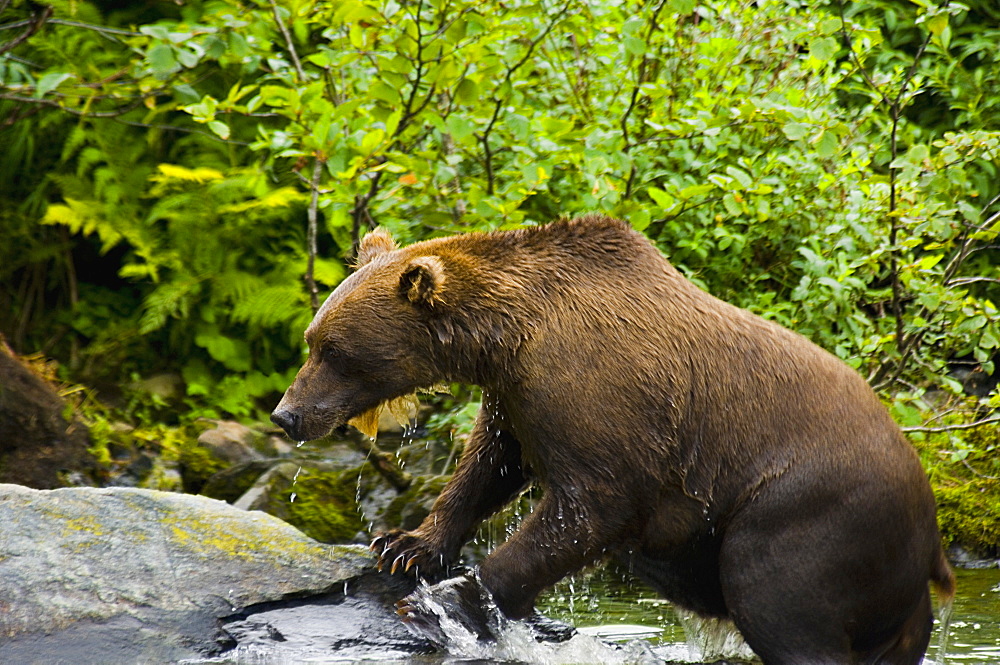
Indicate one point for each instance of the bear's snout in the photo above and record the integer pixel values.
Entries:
(289, 421)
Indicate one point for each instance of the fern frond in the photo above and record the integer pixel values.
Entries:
(280, 198)
(273, 306)
(172, 299)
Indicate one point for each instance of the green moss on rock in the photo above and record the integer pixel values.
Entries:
(323, 505)
(197, 465)
(964, 469)
(410, 508)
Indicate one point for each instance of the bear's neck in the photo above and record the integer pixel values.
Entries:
(480, 345)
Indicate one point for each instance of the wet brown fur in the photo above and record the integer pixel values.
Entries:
(735, 466)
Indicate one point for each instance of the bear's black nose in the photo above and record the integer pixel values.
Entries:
(287, 421)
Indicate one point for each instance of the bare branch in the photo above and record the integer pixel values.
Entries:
(175, 128)
(288, 41)
(498, 102)
(950, 428)
(36, 24)
(961, 281)
(854, 56)
(84, 114)
(311, 232)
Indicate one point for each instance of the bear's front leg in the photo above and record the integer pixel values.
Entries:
(563, 535)
(489, 474)
(560, 537)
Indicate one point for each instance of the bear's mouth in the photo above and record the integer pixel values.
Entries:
(403, 409)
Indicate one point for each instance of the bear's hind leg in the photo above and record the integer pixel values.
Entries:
(803, 597)
(908, 645)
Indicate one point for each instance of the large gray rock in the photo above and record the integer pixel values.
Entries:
(129, 575)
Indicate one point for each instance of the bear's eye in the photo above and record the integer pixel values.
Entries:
(331, 353)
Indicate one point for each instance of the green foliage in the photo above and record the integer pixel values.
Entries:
(186, 174)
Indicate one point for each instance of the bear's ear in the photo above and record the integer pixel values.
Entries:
(374, 243)
(422, 282)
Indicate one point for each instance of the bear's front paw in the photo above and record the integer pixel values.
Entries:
(452, 610)
(403, 550)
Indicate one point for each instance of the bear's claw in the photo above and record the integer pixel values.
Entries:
(400, 551)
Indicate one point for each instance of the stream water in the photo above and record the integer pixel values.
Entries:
(603, 601)
(623, 623)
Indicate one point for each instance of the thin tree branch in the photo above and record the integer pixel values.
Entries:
(95, 28)
(498, 102)
(950, 428)
(35, 25)
(84, 114)
(311, 232)
(961, 281)
(905, 344)
(288, 41)
(854, 56)
(185, 130)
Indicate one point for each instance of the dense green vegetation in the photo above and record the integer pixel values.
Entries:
(184, 182)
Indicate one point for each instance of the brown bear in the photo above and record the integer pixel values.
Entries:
(733, 465)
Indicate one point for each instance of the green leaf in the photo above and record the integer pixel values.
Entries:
(371, 141)
(937, 24)
(50, 82)
(634, 45)
(661, 198)
(460, 127)
(741, 176)
(467, 91)
(221, 129)
(988, 340)
(385, 92)
(695, 190)
(796, 131)
(161, 61)
(639, 219)
(827, 144)
(829, 26)
(823, 48)
(732, 207)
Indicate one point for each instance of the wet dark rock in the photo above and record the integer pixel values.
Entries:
(963, 558)
(40, 441)
(353, 622)
(271, 490)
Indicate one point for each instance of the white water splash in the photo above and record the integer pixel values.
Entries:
(517, 641)
(712, 639)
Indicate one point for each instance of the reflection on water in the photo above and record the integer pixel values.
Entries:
(603, 600)
(974, 637)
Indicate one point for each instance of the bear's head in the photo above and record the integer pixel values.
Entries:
(369, 344)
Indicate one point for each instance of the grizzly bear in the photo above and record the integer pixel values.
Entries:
(731, 464)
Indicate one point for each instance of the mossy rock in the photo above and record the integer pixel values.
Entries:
(197, 465)
(965, 474)
(410, 508)
(321, 503)
(969, 515)
(325, 506)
